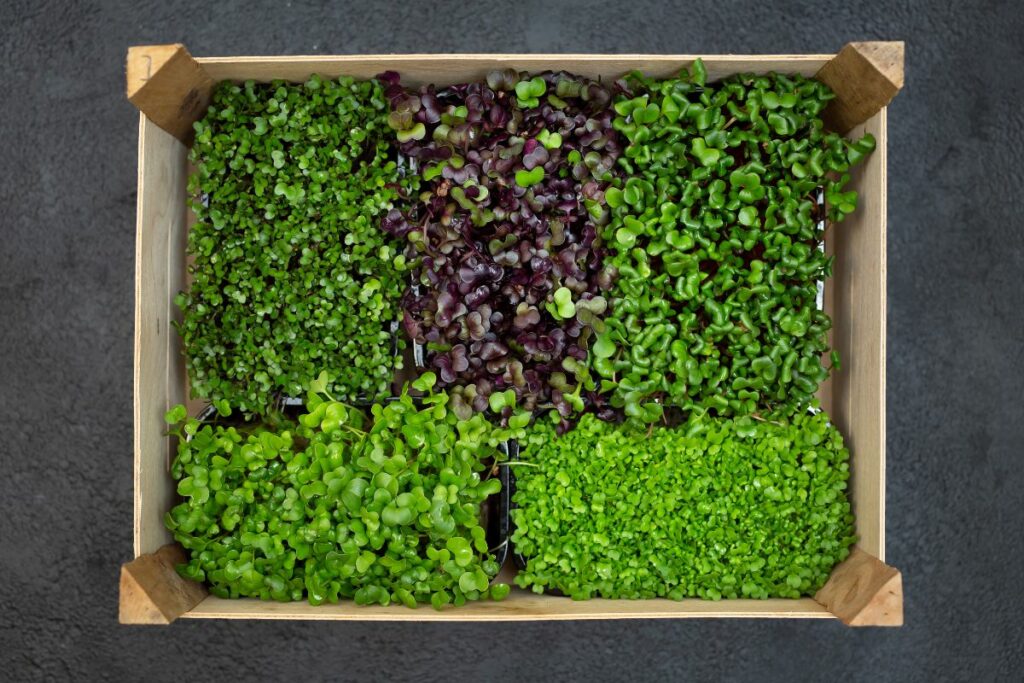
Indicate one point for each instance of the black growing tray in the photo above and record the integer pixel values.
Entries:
(499, 532)
(513, 455)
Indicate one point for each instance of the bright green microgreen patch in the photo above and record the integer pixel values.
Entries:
(380, 507)
(291, 272)
(715, 235)
(716, 508)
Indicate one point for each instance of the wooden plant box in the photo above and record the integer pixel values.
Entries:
(172, 90)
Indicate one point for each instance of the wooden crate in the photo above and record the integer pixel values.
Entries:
(172, 90)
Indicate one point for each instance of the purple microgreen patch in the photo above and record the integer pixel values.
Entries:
(504, 236)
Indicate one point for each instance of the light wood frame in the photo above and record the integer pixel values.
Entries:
(171, 89)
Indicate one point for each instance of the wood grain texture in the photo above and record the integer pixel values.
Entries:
(520, 605)
(152, 592)
(865, 78)
(418, 69)
(159, 272)
(168, 86)
(864, 591)
(858, 301)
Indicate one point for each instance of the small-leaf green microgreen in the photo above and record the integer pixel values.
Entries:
(715, 508)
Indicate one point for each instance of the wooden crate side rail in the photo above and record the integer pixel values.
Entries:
(862, 591)
(173, 89)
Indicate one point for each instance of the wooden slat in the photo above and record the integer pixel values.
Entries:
(152, 592)
(859, 310)
(417, 69)
(159, 270)
(864, 591)
(518, 606)
(865, 78)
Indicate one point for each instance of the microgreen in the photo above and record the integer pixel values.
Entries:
(715, 239)
(290, 270)
(503, 240)
(528, 91)
(529, 178)
(561, 307)
(380, 507)
(715, 508)
(549, 140)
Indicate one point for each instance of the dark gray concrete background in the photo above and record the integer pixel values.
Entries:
(956, 346)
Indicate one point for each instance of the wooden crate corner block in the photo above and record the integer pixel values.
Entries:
(865, 77)
(168, 86)
(864, 591)
(152, 592)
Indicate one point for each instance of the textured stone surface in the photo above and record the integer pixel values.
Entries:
(956, 352)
